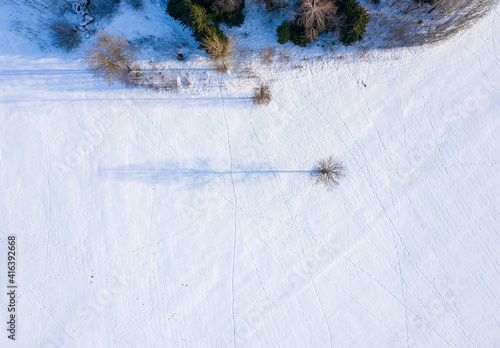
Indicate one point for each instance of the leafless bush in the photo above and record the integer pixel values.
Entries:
(221, 51)
(156, 77)
(267, 55)
(229, 5)
(247, 72)
(167, 83)
(111, 57)
(317, 16)
(262, 94)
(328, 172)
(284, 57)
(135, 78)
(65, 35)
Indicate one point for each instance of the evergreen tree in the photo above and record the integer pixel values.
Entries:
(356, 19)
(283, 32)
(199, 19)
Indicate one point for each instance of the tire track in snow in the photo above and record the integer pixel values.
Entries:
(456, 195)
(292, 226)
(385, 150)
(234, 207)
(369, 183)
(426, 279)
(387, 217)
(151, 226)
(492, 55)
(260, 279)
(293, 218)
(480, 66)
(375, 281)
(49, 222)
(351, 263)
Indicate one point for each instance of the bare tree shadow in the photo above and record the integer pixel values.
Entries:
(171, 173)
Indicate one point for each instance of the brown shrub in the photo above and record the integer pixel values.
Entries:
(267, 55)
(262, 94)
(221, 50)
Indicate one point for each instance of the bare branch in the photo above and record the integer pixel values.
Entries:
(328, 172)
(111, 57)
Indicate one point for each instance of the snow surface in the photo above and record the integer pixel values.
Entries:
(137, 228)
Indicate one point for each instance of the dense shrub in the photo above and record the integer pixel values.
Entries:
(283, 32)
(298, 35)
(354, 26)
(217, 11)
(273, 5)
(179, 10)
(65, 35)
(234, 18)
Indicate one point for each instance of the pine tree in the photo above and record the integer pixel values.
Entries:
(283, 32)
(200, 20)
(355, 23)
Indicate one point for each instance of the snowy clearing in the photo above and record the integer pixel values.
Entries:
(190, 220)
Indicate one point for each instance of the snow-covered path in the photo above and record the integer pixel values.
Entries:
(128, 237)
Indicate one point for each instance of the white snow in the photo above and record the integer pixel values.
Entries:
(129, 235)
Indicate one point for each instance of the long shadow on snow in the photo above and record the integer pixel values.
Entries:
(169, 173)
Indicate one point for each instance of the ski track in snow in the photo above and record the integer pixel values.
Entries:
(235, 205)
(411, 281)
(292, 225)
(403, 282)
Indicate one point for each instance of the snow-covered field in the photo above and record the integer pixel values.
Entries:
(190, 220)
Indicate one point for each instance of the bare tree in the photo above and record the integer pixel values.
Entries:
(317, 16)
(328, 172)
(220, 49)
(112, 57)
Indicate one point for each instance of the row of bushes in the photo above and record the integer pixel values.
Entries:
(348, 17)
(314, 17)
